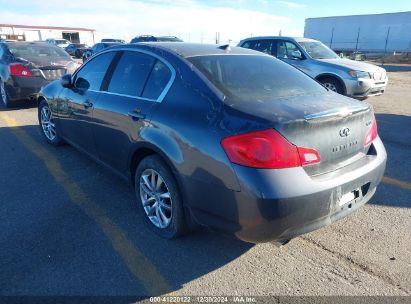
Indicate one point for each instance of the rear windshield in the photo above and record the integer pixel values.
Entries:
(259, 78)
(34, 51)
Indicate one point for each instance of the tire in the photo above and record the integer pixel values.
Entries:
(47, 125)
(333, 85)
(77, 54)
(4, 96)
(148, 193)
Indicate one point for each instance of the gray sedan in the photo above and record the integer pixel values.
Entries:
(344, 76)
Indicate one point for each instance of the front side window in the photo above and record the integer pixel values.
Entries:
(157, 81)
(131, 73)
(92, 74)
(285, 49)
(255, 78)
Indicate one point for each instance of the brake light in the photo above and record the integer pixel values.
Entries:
(267, 149)
(372, 133)
(17, 69)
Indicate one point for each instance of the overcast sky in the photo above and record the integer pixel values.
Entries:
(195, 21)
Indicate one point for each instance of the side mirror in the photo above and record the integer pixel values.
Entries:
(296, 55)
(66, 81)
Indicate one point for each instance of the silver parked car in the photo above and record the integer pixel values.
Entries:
(344, 76)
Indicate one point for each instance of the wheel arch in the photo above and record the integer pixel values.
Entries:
(143, 150)
(146, 149)
(333, 76)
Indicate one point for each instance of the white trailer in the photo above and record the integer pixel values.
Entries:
(389, 32)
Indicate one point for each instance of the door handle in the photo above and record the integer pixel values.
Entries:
(88, 104)
(136, 114)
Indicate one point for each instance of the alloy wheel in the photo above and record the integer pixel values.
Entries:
(330, 86)
(156, 199)
(47, 123)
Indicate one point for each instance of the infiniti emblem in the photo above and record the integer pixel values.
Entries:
(344, 132)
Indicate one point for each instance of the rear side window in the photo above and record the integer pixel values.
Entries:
(264, 46)
(92, 74)
(131, 73)
(156, 83)
(255, 78)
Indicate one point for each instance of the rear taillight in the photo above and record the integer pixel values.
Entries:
(17, 69)
(267, 149)
(372, 133)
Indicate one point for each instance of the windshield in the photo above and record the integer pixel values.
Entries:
(317, 50)
(259, 78)
(32, 52)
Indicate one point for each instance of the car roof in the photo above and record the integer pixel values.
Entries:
(27, 43)
(298, 39)
(187, 49)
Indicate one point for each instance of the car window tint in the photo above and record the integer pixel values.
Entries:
(264, 46)
(258, 78)
(131, 73)
(157, 81)
(92, 74)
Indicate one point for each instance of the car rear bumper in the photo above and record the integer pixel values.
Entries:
(366, 87)
(277, 205)
(20, 88)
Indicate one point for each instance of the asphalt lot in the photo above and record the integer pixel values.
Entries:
(70, 227)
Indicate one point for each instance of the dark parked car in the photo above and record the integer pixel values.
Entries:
(98, 47)
(149, 38)
(27, 66)
(228, 138)
(76, 49)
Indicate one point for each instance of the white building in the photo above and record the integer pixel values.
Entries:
(35, 33)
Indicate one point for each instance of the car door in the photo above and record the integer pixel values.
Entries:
(287, 51)
(76, 108)
(127, 103)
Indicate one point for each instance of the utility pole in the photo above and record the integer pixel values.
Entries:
(332, 36)
(386, 44)
(358, 37)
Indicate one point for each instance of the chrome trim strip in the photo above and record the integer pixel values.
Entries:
(344, 112)
(130, 96)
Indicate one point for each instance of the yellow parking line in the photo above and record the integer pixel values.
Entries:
(137, 263)
(396, 182)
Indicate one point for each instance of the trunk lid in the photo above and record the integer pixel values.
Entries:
(332, 124)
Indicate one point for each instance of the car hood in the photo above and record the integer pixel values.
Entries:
(353, 65)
